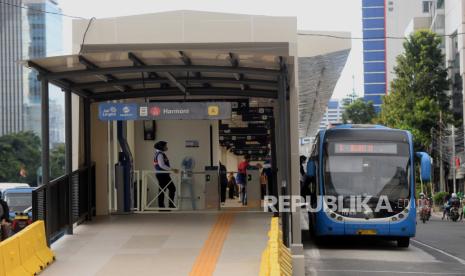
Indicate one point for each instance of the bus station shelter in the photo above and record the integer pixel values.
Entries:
(180, 56)
(176, 72)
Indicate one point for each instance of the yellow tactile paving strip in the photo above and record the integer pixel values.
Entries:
(206, 261)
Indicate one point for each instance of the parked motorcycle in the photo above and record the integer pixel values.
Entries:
(22, 220)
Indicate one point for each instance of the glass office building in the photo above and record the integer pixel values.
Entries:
(43, 36)
(11, 72)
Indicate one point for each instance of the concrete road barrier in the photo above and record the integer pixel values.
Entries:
(25, 253)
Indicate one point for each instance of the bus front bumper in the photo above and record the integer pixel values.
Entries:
(326, 226)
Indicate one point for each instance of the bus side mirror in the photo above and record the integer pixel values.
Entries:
(425, 165)
(311, 169)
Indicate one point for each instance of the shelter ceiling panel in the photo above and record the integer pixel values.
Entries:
(317, 79)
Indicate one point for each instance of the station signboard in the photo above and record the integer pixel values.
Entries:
(165, 111)
(251, 152)
(240, 105)
(257, 110)
(185, 111)
(254, 117)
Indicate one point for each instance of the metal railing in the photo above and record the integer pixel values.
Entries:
(80, 196)
(138, 190)
(151, 191)
(60, 205)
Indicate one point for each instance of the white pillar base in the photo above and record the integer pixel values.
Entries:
(298, 265)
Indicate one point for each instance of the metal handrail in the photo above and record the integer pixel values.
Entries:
(61, 197)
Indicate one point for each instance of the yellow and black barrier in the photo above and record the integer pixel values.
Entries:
(25, 253)
(276, 258)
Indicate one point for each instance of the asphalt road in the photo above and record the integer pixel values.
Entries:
(438, 249)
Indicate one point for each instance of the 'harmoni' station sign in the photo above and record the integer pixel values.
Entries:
(165, 111)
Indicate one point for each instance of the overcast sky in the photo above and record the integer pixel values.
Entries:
(331, 15)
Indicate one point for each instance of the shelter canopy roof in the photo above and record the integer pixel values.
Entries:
(112, 72)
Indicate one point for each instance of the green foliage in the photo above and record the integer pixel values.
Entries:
(57, 161)
(426, 189)
(438, 198)
(22, 150)
(359, 112)
(418, 91)
(19, 150)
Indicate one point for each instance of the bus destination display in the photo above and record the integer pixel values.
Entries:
(382, 148)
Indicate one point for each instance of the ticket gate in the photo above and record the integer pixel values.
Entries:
(212, 188)
(253, 188)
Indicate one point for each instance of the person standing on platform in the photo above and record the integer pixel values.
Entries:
(223, 182)
(269, 174)
(263, 183)
(242, 178)
(232, 186)
(162, 169)
(304, 179)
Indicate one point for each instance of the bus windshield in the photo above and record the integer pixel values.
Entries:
(18, 202)
(367, 169)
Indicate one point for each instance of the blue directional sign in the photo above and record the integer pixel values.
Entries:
(165, 111)
(118, 111)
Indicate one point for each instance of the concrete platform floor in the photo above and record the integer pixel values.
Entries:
(164, 244)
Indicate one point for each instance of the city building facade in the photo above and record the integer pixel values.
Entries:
(28, 32)
(374, 50)
(454, 17)
(384, 24)
(333, 114)
(11, 72)
(451, 18)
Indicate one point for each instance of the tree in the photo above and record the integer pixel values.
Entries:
(57, 161)
(20, 158)
(418, 92)
(349, 98)
(359, 112)
(19, 151)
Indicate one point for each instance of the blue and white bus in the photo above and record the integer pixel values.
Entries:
(365, 162)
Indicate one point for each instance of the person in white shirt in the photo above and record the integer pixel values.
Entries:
(162, 166)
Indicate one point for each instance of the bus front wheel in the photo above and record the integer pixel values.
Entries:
(403, 242)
